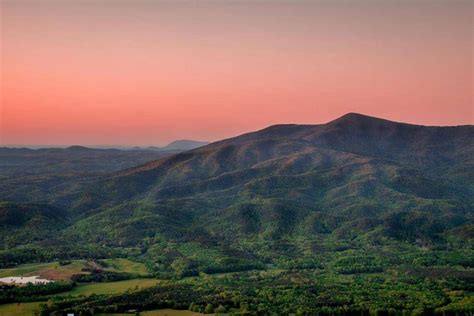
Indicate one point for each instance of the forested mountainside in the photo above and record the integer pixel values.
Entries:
(357, 178)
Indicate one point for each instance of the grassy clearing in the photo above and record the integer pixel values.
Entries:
(111, 287)
(160, 312)
(169, 312)
(125, 265)
(58, 272)
(19, 309)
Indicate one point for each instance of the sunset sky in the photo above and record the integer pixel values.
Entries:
(147, 72)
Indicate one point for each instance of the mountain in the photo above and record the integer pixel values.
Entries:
(179, 145)
(356, 180)
(353, 152)
(287, 191)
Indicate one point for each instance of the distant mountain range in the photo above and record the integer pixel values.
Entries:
(33, 174)
(177, 145)
(357, 180)
(79, 159)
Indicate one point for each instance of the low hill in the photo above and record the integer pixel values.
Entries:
(22, 223)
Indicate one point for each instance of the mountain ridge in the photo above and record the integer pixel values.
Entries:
(352, 179)
(282, 129)
(296, 170)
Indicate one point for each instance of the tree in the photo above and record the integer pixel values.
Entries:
(220, 309)
(209, 309)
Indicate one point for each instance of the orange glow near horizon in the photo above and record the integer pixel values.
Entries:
(148, 72)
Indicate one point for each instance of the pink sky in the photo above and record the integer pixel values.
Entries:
(148, 72)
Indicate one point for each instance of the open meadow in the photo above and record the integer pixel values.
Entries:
(20, 309)
(111, 287)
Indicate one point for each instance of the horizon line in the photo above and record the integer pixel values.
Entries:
(144, 146)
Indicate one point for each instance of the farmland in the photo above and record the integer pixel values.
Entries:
(56, 271)
(160, 312)
(111, 287)
(19, 309)
(127, 266)
(444, 285)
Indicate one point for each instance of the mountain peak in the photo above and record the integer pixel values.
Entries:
(357, 117)
(77, 148)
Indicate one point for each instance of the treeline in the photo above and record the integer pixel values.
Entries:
(13, 257)
(102, 276)
(32, 292)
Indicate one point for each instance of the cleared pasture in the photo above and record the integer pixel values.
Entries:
(125, 265)
(20, 309)
(111, 287)
(161, 312)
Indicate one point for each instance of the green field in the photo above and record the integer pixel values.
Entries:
(19, 309)
(111, 287)
(54, 270)
(27, 309)
(161, 312)
(125, 265)
(169, 312)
